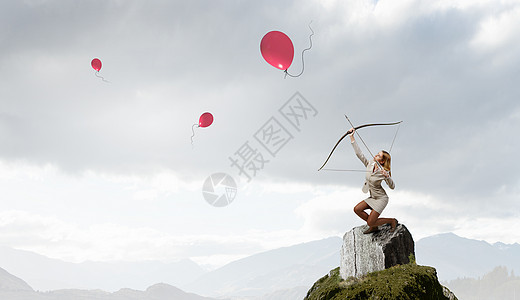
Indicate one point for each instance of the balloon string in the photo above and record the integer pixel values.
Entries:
(99, 76)
(303, 62)
(193, 133)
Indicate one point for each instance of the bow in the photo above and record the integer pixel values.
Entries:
(349, 132)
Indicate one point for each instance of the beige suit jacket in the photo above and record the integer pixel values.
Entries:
(372, 179)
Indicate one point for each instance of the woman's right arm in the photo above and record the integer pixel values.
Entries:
(359, 154)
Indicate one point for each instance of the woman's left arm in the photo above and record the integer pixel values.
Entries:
(390, 182)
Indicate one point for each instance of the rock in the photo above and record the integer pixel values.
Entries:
(400, 282)
(448, 294)
(366, 253)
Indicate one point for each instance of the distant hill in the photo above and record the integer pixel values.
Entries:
(270, 271)
(9, 282)
(14, 288)
(457, 257)
(44, 273)
(498, 284)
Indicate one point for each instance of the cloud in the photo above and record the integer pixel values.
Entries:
(416, 61)
(498, 31)
(74, 147)
(330, 213)
(109, 241)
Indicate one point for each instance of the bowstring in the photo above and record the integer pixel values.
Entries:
(338, 170)
(395, 135)
(365, 144)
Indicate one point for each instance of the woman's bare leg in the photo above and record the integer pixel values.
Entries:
(360, 208)
(374, 220)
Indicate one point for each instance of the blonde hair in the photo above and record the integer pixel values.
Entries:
(386, 161)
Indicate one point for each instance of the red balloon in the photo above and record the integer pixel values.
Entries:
(96, 64)
(277, 49)
(205, 119)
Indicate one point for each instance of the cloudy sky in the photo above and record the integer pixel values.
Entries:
(91, 170)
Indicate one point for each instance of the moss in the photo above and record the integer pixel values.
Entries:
(327, 286)
(408, 281)
(411, 259)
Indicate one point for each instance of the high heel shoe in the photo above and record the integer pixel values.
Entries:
(371, 229)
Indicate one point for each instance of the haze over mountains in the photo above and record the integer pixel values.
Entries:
(457, 257)
(284, 273)
(43, 273)
(14, 288)
(267, 272)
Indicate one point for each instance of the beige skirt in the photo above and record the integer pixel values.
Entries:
(377, 204)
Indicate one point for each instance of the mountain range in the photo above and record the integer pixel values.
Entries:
(44, 274)
(457, 257)
(14, 288)
(284, 273)
(267, 272)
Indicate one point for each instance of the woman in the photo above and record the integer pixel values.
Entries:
(377, 171)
